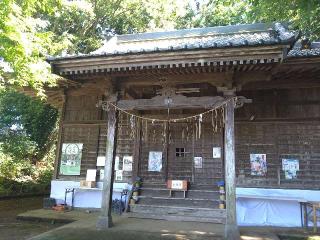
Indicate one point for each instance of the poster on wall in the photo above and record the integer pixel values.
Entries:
(91, 175)
(117, 163)
(101, 161)
(290, 168)
(101, 173)
(127, 163)
(71, 158)
(119, 175)
(216, 152)
(258, 164)
(155, 161)
(197, 162)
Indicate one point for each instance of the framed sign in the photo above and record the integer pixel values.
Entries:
(127, 163)
(258, 164)
(155, 161)
(71, 158)
(197, 162)
(101, 161)
(91, 175)
(216, 152)
(290, 168)
(119, 175)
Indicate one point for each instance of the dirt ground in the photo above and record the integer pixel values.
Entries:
(124, 228)
(12, 229)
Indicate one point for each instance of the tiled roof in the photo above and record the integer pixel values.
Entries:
(191, 39)
(314, 51)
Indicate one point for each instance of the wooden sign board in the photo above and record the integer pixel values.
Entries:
(177, 184)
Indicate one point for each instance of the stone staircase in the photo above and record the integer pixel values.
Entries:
(201, 204)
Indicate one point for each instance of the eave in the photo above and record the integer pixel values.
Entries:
(171, 59)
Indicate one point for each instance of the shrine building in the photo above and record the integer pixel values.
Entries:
(217, 124)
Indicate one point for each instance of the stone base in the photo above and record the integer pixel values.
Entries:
(104, 222)
(232, 232)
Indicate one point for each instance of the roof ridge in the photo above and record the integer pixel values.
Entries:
(198, 32)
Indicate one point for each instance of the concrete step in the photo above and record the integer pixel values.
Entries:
(177, 202)
(178, 213)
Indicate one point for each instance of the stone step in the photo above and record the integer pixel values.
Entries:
(163, 192)
(176, 218)
(179, 213)
(177, 202)
(192, 186)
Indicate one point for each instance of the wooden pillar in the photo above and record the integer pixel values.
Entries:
(136, 151)
(60, 138)
(166, 150)
(231, 228)
(105, 219)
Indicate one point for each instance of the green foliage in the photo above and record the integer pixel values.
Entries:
(85, 24)
(214, 13)
(22, 42)
(26, 126)
(31, 30)
(303, 15)
(23, 177)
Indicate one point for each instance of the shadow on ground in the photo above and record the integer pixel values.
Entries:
(12, 229)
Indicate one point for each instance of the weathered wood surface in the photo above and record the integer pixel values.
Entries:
(105, 219)
(231, 229)
(60, 138)
(172, 102)
(285, 124)
(266, 54)
(136, 150)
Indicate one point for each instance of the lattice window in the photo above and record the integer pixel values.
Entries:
(180, 152)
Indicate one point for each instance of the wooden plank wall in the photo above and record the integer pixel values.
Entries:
(284, 124)
(84, 123)
(153, 139)
(183, 135)
(280, 123)
(80, 109)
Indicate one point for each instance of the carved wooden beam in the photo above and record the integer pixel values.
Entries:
(165, 102)
(177, 102)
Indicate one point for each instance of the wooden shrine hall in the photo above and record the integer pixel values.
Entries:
(195, 121)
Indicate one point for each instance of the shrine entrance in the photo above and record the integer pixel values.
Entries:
(180, 151)
(182, 138)
(190, 152)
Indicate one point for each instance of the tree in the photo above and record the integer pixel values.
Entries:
(87, 23)
(32, 30)
(26, 126)
(214, 13)
(302, 15)
(23, 43)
